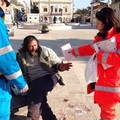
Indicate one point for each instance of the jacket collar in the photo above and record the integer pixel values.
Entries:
(2, 14)
(111, 33)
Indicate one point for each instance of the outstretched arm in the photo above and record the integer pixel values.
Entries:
(8, 64)
(85, 50)
(65, 66)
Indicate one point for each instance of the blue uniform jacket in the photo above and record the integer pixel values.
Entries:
(10, 69)
(8, 64)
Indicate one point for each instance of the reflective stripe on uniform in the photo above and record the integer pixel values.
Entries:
(104, 58)
(94, 46)
(14, 76)
(76, 51)
(5, 50)
(107, 89)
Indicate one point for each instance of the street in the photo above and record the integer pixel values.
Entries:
(70, 102)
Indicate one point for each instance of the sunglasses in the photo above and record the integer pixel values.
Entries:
(7, 3)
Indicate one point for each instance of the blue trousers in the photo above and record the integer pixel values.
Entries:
(5, 100)
(37, 99)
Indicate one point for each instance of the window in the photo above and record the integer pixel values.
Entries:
(55, 9)
(45, 9)
(45, 18)
(66, 10)
(60, 10)
(51, 8)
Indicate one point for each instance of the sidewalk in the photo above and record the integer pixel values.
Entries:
(71, 101)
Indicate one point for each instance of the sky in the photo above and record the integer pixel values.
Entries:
(78, 4)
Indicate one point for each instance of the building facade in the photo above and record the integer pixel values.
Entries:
(115, 5)
(51, 11)
(96, 6)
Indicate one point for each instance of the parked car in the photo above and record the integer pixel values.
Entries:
(10, 30)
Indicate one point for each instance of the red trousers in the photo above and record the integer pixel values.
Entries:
(108, 111)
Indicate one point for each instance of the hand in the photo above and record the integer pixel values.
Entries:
(25, 89)
(65, 66)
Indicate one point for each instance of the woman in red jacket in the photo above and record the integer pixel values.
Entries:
(107, 87)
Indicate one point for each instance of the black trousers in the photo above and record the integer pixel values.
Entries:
(37, 99)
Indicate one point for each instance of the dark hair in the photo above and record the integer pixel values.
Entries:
(7, 3)
(107, 16)
(26, 42)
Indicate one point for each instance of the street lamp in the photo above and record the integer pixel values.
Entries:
(25, 7)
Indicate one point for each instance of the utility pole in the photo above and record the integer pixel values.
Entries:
(49, 8)
(39, 12)
(26, 8)
(73, 10)
(49, 13)
(30, 5)
(91, 20)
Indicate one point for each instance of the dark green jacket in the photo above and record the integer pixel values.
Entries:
(48, 59)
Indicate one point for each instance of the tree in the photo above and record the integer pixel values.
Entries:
(97, 0)
(83, 11)
(89, 10)
(78, 11)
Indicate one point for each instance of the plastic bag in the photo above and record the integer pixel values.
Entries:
(91, 70)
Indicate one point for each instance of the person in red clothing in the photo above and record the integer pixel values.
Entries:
(107, 87)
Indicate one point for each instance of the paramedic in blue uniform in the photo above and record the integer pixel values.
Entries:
(9, 69)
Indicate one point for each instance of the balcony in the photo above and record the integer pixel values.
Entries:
(56, 13)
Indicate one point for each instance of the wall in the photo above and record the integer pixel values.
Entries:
(33, 18)
(116, 8)
(63, 4)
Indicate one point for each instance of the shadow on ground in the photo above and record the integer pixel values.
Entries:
(18, 117)
(55, 45)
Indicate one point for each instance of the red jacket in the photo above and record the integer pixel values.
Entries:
(107, 88)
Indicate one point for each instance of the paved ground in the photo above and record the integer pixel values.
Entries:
(71, 101)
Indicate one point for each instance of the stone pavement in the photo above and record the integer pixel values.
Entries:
(71, 101)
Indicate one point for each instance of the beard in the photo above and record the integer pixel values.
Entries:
(33, 53)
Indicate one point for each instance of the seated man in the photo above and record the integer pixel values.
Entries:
(40, 66)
